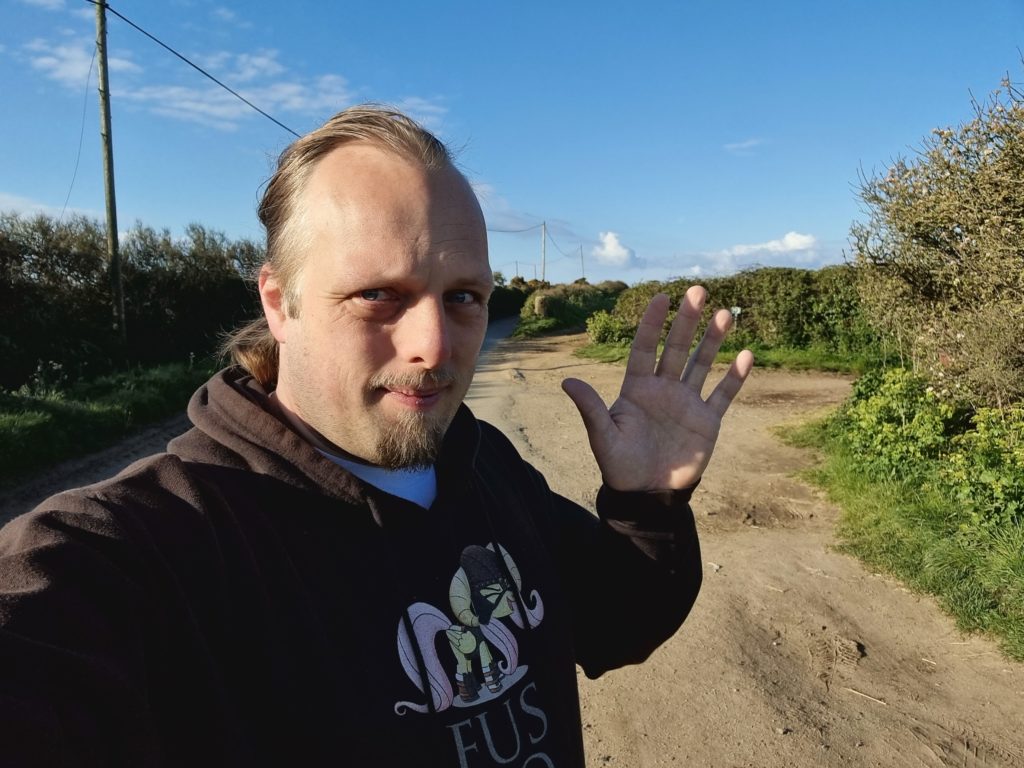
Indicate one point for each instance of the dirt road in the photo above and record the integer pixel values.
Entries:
(794, 655)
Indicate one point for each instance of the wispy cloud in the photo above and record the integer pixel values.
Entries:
(429, 112)
(49, 5)
(792, 248)
(501, 215)
(68, 62)
(259, 76)
(28, 207)
(612, 252)
(230, 17)
(745, 147)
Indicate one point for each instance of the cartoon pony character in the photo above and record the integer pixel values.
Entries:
(479, 594)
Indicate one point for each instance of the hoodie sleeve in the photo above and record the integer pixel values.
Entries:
(72, 679)
(632, 573)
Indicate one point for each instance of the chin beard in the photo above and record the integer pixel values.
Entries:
(414, 442)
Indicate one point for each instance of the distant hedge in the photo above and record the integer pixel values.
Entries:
(181, 294)
(566, 306)
(778, 307)
(56, 320)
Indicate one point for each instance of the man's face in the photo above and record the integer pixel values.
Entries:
(392, 305)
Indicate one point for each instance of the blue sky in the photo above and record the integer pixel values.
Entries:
(664, 139)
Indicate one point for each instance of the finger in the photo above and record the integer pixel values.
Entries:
(730, 385)
(697, 369)
(645, 344)
(680, 336)
(592, 410)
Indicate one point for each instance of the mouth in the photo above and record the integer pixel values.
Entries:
(415, 398)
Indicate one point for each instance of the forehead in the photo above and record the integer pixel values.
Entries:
(374, 210)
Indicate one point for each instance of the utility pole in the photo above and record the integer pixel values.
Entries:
(108, 174)
(543, 251)
(583, 273)
(517, 269)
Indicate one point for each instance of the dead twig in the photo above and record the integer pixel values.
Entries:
(877, 701)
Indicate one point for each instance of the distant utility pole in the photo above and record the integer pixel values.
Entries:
(108, 174)
(543, 251)
(583, 273)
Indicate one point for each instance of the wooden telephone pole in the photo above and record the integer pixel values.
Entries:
(108, 174)
(543, 252)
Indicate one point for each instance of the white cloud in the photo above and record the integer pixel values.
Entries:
(427, 112)
(257, 76)
(229, 17)
(789, 243)
(791, 248)
(69, 63)
(49, 5)
(28, 207)
(611, 252)
(743, 147)
(249, 66)
(500, 214)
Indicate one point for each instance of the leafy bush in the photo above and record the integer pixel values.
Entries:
(566, 306)
(939, 257)
(895, 423)
(780, 307)
(55, 306)
(984, 470)
(505, 302)
(605, 328)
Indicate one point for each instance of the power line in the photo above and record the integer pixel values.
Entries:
(81, 136)
(513, 231)
(196, 67)
(566, 255)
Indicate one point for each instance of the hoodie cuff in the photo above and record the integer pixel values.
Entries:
(659, 510)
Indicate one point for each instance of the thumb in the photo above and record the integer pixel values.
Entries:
(592, 409)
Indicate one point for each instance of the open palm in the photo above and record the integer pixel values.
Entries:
(660, 432)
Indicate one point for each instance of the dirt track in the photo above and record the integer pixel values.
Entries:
(794, 655)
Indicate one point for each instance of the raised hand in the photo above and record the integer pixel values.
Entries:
(660, 432)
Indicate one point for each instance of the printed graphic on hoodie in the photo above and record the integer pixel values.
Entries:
(479, 657)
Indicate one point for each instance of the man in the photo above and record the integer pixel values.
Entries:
(338, 565)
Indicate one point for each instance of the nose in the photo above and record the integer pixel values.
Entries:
(422, 335)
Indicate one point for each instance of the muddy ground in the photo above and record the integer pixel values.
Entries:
(794, 655)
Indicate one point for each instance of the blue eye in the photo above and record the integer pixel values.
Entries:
(371, 295)
(460, 297)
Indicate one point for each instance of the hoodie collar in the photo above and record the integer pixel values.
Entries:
(236, 413)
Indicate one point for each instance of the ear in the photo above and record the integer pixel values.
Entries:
(272, 298)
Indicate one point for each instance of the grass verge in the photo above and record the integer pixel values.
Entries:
(912, 532)
(39, 429)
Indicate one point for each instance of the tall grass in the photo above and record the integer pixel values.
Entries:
(912, 530)
(43, 425)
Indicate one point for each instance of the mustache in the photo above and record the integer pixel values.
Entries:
(435, 378)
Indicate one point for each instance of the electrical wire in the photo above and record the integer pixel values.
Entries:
(566, 255)
(81, 136)
(513, 231)
(196, 67)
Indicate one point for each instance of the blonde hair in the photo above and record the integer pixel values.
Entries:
(252, 346)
